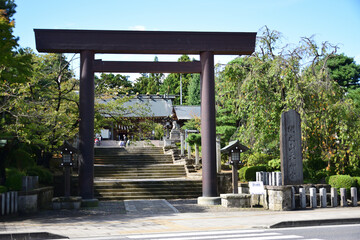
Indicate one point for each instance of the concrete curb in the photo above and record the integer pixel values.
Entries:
(319, 222)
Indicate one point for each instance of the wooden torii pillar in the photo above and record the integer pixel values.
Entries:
(90, 42)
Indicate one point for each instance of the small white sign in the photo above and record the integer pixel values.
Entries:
(256, 187)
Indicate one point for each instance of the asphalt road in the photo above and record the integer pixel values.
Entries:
(333, 232)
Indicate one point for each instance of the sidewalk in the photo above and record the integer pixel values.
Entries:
(150, 216)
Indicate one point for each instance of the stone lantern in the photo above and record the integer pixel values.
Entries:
(67, 152)
(234, 149)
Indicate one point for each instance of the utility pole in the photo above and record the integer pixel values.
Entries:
(180, 90)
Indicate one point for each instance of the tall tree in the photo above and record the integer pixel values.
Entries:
(194, 90)
(149, 83)
(344, 71)
(46, 110)
(14, 70)
(171, 84)
(116, 84)
(260, 87)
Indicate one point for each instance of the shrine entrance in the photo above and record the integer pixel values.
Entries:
(90, 42)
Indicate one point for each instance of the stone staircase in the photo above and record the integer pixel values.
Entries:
(140, 173)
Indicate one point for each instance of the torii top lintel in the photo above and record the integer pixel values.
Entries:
(144, 42)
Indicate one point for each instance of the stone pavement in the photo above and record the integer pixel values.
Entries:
(159, 216)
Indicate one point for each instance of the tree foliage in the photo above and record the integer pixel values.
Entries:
(45, 113)
(14, 71)
(344, 71)
(171, 84)
(149, 83)
(256, 89)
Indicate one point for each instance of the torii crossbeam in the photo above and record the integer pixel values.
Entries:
(90, 42)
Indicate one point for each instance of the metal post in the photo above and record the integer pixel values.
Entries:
(180, 90)
(208, 125)
(86, 126)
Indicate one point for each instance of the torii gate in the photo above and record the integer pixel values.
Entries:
(90, 42)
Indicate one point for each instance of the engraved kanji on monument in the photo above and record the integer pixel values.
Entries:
(290, 148)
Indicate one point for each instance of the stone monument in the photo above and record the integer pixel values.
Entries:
(290, 148)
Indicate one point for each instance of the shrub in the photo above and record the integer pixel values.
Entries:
(3, 189)
(242, 174)
(275, 164)
(193, 139)
(249, 173)
(14, 179)
(20, 159)
(342, 181)
(357, 179)
(258, 158)
(45, 176)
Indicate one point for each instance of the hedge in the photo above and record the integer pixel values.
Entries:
(14, 179)
(249, 173)
(45, 176)
(3, 189)
(242, 174)
(342, 181)
(357, 179)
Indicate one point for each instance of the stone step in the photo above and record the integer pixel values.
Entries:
(147, 184)
(139, 173)
(139, 190)
(150, 172)
(139, 176)
(120, 151)
(148, 190)
(113, 167)
(131, 163)
(128, 156)
(147, 196)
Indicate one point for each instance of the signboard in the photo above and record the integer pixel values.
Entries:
(256, 187)
(105, 133)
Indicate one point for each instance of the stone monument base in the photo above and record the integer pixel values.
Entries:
(90, 202)
(209, 200)
(232, 200)
(279, 198)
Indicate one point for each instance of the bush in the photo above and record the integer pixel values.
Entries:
(3, 189)
(242, 174)
(249, 173)
(258, 158)
(20, 159)
(342, 181)
(14, 179)
(275, 164)
(45, 176)
(193, 139)
(357, 179)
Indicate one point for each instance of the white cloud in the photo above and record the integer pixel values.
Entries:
(138, 28)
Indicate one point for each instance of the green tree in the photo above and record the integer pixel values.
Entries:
(45, 112)
(344, 71)
(194, 90)
(116, 84)
(258, 88)
(149, 83)
(14, 71)
(171, 84)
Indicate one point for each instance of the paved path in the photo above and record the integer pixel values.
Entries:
(161, 216)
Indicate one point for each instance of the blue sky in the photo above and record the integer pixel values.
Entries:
(335, 21)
